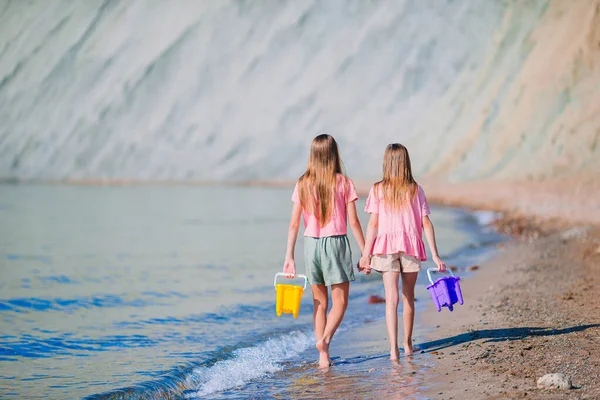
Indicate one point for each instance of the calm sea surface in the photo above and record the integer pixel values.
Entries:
(167, 292)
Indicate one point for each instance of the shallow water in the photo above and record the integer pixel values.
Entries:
(137, 292)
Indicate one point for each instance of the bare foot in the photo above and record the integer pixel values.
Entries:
(323, 347)
(394, 354)
(409, 349)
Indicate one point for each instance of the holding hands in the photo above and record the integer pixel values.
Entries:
(364, 265)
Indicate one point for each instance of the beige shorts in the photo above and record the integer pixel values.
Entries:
(398, 262)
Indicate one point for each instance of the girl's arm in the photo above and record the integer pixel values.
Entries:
(355, 225)
(371, 233)
(430, 235)
(289, 267)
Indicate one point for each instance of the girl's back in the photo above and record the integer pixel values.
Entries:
(343, 194)
(400, 229)
(405, 219)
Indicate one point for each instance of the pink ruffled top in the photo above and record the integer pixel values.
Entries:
(399, 231)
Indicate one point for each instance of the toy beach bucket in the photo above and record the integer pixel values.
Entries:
(445, 292)
(288, 296)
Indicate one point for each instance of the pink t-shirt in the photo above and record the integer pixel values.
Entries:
(337, 225)
(399, 231)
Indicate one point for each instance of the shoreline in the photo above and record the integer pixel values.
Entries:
(530, 310)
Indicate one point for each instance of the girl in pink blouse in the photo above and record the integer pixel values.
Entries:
(325, 199)
(399, 214)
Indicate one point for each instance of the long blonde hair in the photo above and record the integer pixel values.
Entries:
(316, 186)
(398, 185)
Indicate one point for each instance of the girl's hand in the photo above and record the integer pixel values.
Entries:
(289, 268)
(440, 264)
(364, 265)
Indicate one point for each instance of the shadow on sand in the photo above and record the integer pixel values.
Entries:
(500, 335)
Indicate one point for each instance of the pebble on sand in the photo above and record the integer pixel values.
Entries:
(473, 268)
(554, 381)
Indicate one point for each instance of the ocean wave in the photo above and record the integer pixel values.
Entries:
(228, 369)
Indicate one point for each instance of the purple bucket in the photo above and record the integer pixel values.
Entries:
(445, 292)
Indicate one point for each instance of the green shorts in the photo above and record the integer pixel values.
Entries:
(328, 260)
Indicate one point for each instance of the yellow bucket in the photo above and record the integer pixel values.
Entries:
(288, 296)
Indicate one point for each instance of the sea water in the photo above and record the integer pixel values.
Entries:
(167, 292)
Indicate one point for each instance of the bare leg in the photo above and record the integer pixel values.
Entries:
(409, 279)
(339, 297)
(390, 283)
(320, 304)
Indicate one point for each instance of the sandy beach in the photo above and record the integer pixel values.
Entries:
(528, 312)
(532, 309)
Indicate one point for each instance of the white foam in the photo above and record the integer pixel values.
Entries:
(248, 364)
(484, 217)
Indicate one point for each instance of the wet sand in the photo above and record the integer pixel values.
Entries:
(533, 308)
(530, 311)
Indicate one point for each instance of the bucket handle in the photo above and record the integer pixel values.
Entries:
(297, 276)
(429, 270)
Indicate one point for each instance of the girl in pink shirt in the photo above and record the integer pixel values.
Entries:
(324, 197)
(399, 214)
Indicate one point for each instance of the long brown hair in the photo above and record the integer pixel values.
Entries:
(398, 185)
(316, 186)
